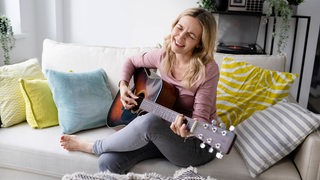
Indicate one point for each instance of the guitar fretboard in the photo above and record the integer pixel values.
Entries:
(164, 112)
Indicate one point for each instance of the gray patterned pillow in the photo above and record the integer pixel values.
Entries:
(269, 135)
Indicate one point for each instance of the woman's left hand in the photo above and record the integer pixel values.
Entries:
(179, 127)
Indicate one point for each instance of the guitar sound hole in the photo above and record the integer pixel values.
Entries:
(135, 109)
(139, 100)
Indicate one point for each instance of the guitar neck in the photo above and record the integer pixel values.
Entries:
(162, 111)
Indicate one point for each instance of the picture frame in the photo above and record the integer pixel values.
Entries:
(238, 3)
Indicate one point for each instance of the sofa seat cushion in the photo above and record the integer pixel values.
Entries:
(38, 151)
(231, 166)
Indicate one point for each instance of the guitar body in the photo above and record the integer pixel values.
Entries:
(147, 85)
(158, 97)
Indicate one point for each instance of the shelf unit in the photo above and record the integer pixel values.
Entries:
(268, 36)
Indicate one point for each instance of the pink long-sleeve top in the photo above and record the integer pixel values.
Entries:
(198, 102)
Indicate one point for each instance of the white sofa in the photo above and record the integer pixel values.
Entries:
(28, 153)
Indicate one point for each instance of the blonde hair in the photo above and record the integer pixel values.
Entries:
(202, 54)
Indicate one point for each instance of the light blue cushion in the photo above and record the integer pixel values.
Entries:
(82, 99)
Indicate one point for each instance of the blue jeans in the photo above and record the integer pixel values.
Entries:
(148, 136)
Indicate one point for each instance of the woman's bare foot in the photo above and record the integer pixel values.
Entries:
(74, 143)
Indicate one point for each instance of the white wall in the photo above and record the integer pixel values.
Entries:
(122, 23)
(98, 22)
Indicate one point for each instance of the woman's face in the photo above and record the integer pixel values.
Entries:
(186, 35)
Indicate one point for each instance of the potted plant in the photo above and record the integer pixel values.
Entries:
(213, 5)
(295, 2)
(207, 4)
(7, 39)
(281, 9)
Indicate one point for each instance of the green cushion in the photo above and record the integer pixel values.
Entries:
(41, 110)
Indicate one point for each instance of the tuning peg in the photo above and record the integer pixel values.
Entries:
(219, 155)
(211, 150)
(209, 140)
(222, 126)
(214, 129)
(214, 122)
(217, 145)
(202, 145)
(224, 132)
(231, 128)
(200, 136)
(205, 126)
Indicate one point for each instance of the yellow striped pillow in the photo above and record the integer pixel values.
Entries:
(244, 88)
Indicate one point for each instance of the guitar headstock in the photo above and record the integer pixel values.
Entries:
(217, 137)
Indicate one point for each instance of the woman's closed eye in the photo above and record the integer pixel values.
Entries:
(192, 36)
(178, 26)
(189, 35)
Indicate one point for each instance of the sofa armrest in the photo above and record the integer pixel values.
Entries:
(318, 177)
(307, 157)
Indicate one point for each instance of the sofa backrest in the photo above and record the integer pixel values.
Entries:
(81, 58)
(272, 62)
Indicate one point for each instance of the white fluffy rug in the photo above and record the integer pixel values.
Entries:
(189, 173)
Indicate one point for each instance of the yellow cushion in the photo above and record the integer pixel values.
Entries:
(41, 110)
(12, 105)
(244, 88)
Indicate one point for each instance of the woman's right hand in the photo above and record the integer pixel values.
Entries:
(127, 97)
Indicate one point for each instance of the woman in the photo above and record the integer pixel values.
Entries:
(186, 61)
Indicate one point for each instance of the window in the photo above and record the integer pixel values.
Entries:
(11, 8)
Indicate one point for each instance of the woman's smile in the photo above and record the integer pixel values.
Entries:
(181, 45)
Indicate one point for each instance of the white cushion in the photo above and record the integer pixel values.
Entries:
(82, 58)
(272, 62)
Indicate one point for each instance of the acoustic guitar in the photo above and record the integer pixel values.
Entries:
(158, 97)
